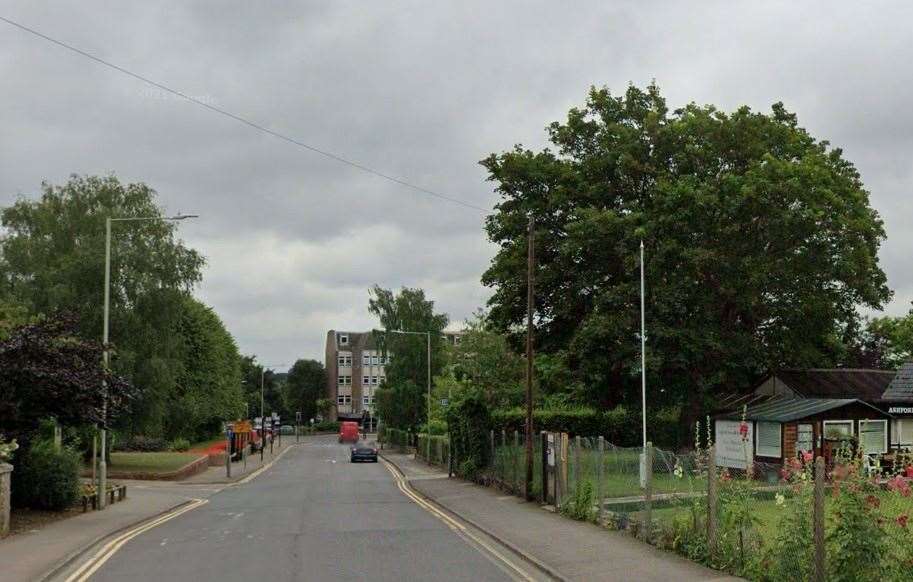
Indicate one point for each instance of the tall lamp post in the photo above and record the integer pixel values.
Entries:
(102, 464)
(427, 334)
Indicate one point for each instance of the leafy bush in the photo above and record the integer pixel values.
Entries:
(47, 478)
(142, 444)
(582, 503)
(7, 449)
(469, 422)
(326, 426)
(179, 445)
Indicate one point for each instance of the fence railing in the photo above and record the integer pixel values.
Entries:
(400, 439)
(438, 448)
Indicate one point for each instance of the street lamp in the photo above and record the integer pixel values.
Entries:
(428, 335)
(262, 410)
(102, 465)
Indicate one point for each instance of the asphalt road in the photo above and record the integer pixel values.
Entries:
(311, 516)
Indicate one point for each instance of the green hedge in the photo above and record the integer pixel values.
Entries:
(46, 478)
(618, 425)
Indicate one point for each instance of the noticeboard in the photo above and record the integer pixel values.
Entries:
(732, 450)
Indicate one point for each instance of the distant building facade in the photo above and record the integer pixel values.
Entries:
(356, 367)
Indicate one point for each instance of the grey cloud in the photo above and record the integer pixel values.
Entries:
(421, 91)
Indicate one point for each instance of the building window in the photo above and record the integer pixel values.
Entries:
(768, 439)
(374, 379)
(903, 432)
(345, 359)
(344, 399)
(374, 361)
(365, 400)
(836, 429)
(804, 439)
(365, 359)
(343, 339)
(345, 380)
(365, 380)
(873, 436)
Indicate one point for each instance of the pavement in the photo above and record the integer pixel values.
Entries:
(570, 550)
(312, 515)
(32, 555)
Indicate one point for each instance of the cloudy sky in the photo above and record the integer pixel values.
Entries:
(421, 91)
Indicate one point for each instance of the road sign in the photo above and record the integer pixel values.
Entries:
(445, 402)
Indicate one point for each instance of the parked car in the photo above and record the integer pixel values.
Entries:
(287, 429)
(363, 452)
(348, 432)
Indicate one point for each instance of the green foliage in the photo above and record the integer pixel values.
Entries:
(7, 448)
(407, 310)
(469, 423)
(617, 425)
(326, 426)
(252, 375)
(582, 504)
(769, 233)
(484, 361)
(46, 478)
(305, 384)
(179, 445)
(52, 257)
(208, 387)
(857, 542)
(142, 444)
(401, 404)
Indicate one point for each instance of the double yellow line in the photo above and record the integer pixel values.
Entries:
(403, 485)
(90, 566)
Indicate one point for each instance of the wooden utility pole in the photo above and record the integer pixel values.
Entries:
(531, 263)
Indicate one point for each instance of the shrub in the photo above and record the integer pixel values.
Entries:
(469, 422)
(179, 444)
(617, 425)
(47, 478)
(582, 503)
(326, 426)
(142, 444)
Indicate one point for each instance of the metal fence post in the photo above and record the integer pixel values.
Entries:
(491, 441)
(577, 462)
(600, 447)
(818, 520)
(712, 495)
(504, 456)
(516, 461)
(543, 443)
(648, 492)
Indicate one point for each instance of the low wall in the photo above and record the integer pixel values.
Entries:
(6, 473)
(197, 466)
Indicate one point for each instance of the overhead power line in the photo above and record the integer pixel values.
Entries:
(245, 121)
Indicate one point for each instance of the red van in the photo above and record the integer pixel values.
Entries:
(348, 432)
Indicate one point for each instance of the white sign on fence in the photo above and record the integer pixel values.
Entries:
(731, 450)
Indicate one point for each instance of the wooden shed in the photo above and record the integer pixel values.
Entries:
(781, 428)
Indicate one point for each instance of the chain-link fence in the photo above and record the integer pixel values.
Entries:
(508, 468)
(396, 438)
(435, 452)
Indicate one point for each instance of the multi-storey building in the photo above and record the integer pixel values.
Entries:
(356, 367)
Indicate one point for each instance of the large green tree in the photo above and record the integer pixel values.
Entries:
(483, 359)
(252, 373)
(760, 245)
(208, 389)
(306, 383)
(52, 257)
(407, 310)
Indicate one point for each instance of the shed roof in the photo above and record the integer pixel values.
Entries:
(901, 386)
(789, 409)
(839, 383)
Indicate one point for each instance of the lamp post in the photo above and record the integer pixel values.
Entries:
(102, 464)
(427, 334)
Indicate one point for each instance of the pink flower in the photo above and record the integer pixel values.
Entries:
(807, 456)
(902, 520)
(872, 501)
(900, 485)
